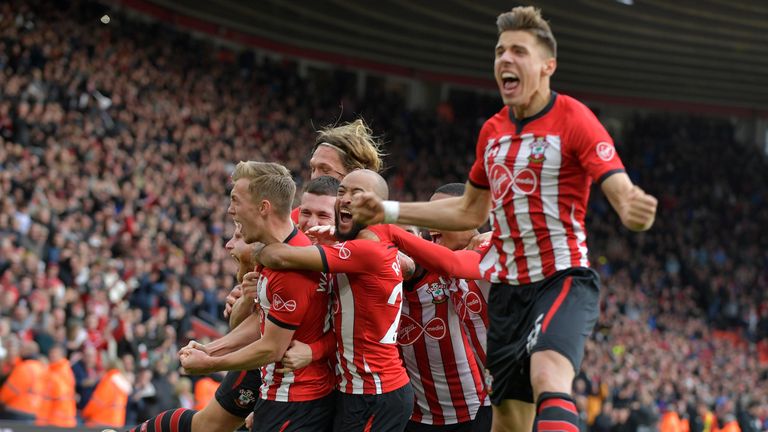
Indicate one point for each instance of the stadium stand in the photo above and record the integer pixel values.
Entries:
(116, 145)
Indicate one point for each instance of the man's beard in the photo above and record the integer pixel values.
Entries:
(353, 232)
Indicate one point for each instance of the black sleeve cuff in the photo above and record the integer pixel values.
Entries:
(477, 186)
(608, 174)
(324, 258)
(279, 323)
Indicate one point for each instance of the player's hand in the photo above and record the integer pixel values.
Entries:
(250, 285)
(322, 234)
(367, 209)
(196, 362)
(639, 210)
(479, 240)
(297, 356)
(249, 421)
(194, 345)
(235, 294)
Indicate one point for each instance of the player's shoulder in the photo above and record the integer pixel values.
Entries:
(570, 106)
(298, 238)
(497, 122)
(378, 233)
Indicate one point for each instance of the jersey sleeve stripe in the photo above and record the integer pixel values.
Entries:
(279, 323)
(477, 185)
(324, 258)
(608, 174)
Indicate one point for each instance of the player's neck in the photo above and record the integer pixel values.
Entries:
(538, 102)
(278, 230)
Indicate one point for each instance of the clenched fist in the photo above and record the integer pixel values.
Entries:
(639, 210)
(367, 209)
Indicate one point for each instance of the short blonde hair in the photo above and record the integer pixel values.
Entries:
(528, 18)
(269, 181)
(356, 143)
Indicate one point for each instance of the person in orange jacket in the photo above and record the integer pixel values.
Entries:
(670, 420)
(59, 407)
(21, 394)
(205, 390)
(108, 403)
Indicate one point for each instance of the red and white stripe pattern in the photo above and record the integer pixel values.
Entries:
(536, 218)
(354, 372)
(274, 386)
(445, 376)
(470, 299)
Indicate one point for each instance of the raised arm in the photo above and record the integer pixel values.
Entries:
(636, 208)
(462, 213)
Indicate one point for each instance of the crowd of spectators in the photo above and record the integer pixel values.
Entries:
(116, 144)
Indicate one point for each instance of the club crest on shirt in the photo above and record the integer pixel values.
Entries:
(538, 150)
(488, 381)
(438, 291)
(245, 399)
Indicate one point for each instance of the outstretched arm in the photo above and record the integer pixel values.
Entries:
(269, 349)
(462, 213)
(280, 256)
(238, 337)
(462, 264)
(636, 208)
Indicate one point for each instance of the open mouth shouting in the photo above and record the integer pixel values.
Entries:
(509, 82)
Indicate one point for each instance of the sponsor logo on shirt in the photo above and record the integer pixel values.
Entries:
(344, 253)
(279, 305)
(469, 303)
(501, 180)
(410, 330)
(605, 151)
(525, 181)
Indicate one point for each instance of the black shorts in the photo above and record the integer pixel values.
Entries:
(310, 416)
(481, 423)
(238, 392)
(381, 413)
(557, 313)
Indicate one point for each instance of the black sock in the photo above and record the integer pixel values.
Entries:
(176, 420)
(556, 412)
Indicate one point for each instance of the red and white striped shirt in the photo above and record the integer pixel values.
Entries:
(539, 171)
(297, 301)
(470, 298)
(446, 378)
(368, 299)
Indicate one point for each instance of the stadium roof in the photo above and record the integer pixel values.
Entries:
(708, 52)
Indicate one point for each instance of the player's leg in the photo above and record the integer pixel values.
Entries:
(569, 307)
(513, 415)
(392, 410)
(483, 419)
(552, 378)
(234, 400)
(383, 412)
(178, 420)
(309, 416)
(511, 317)
(214, 418)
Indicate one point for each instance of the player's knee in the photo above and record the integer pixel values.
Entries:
(512, 416)
(213, 418)
(550, 372)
